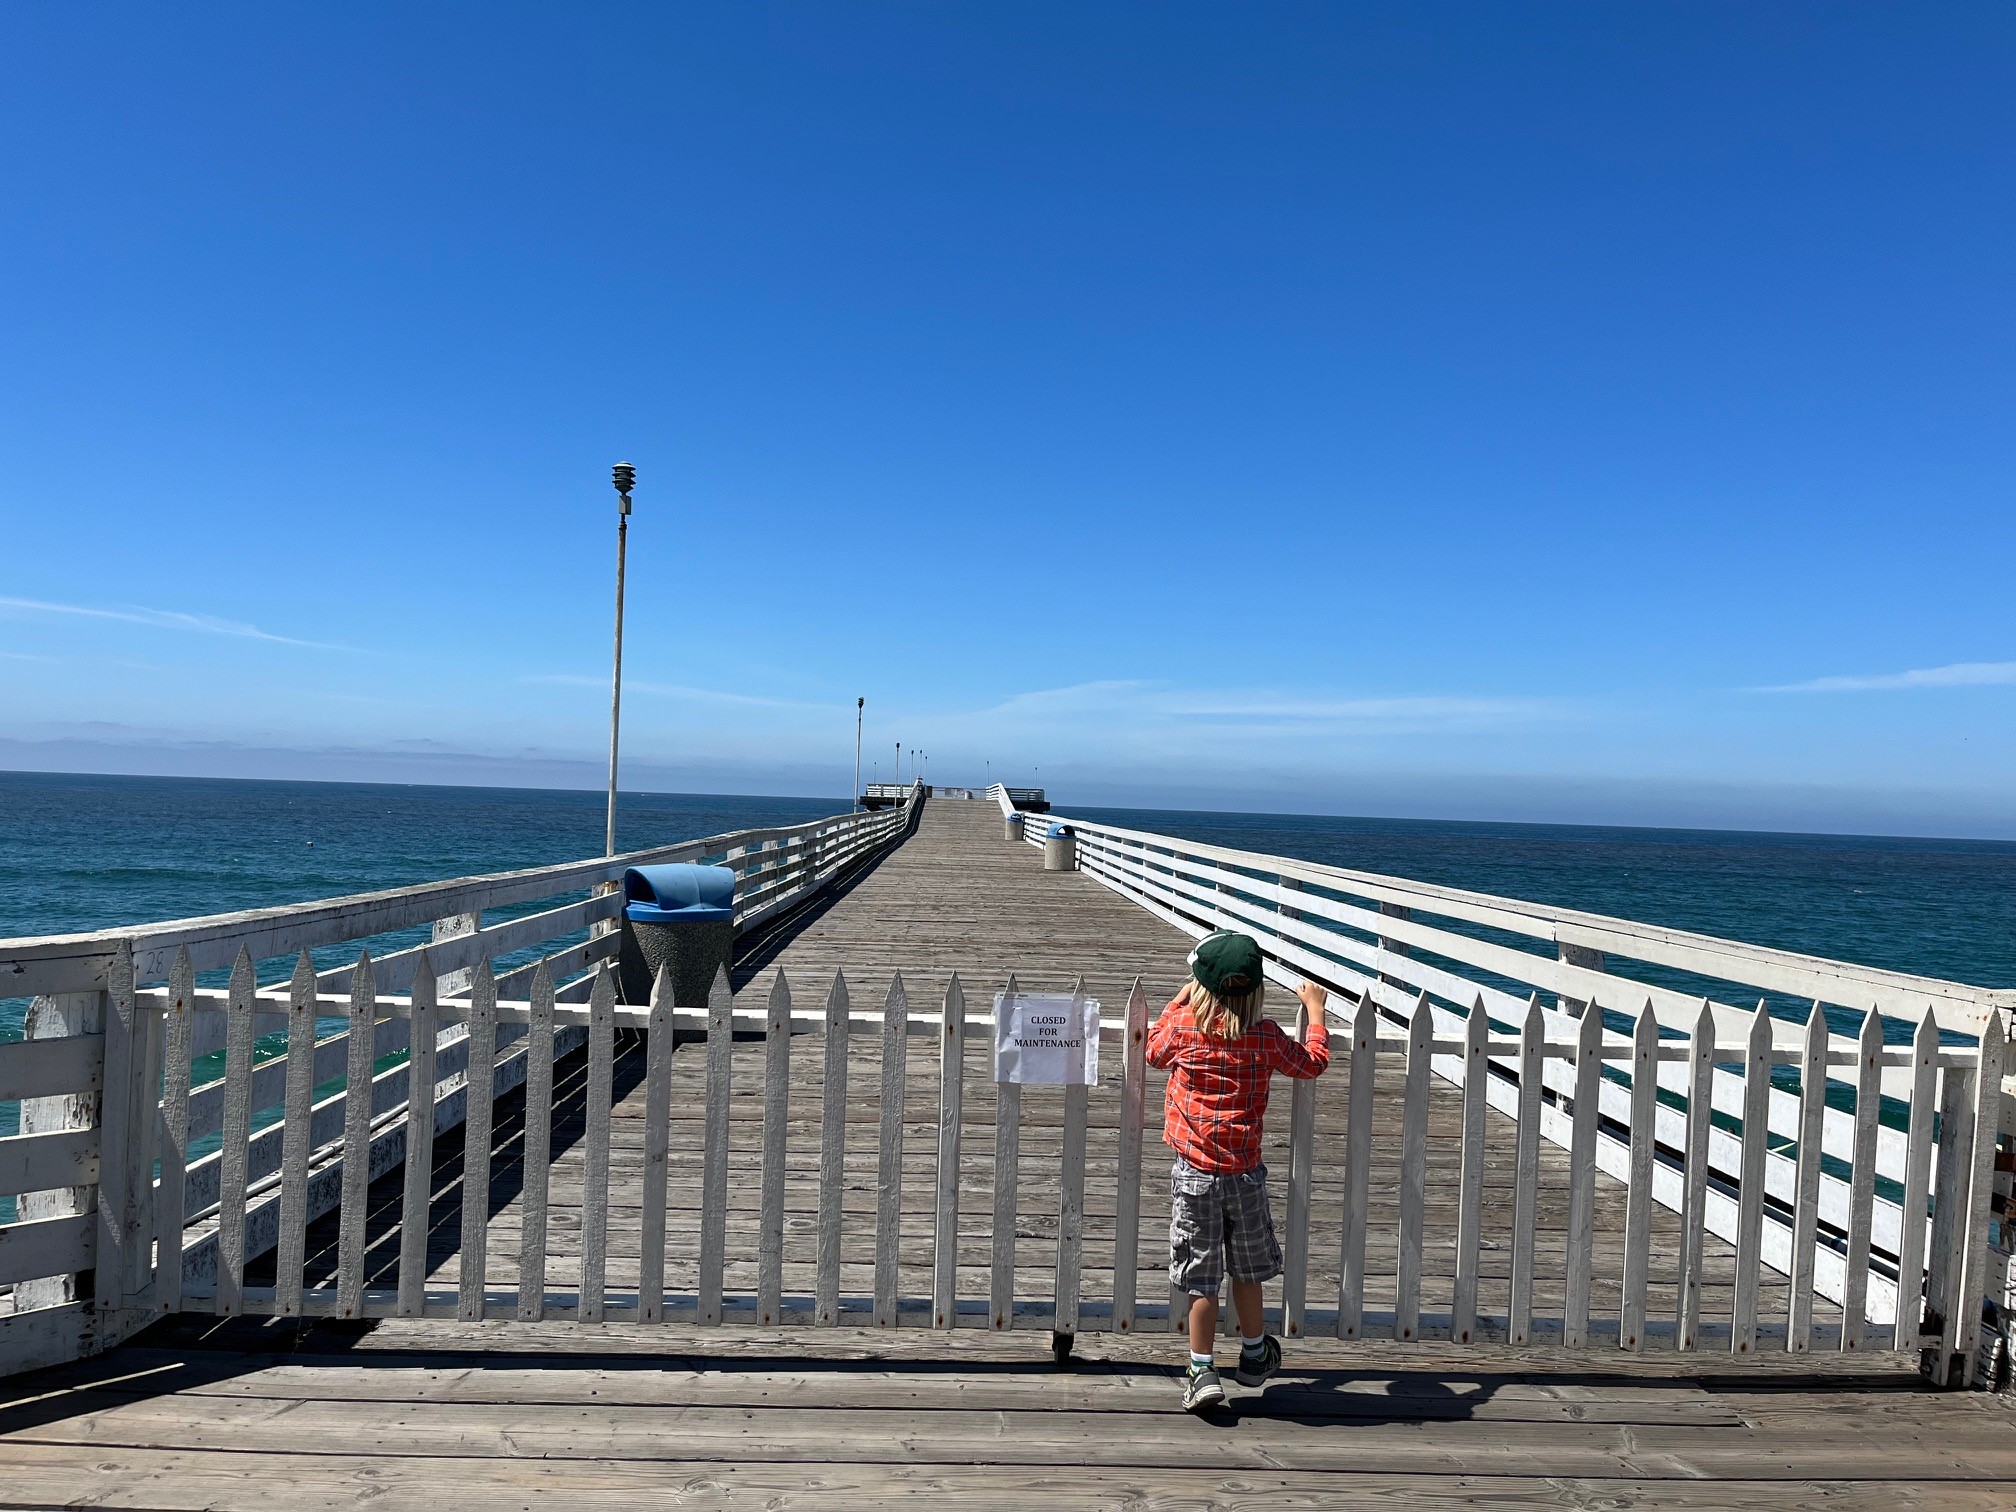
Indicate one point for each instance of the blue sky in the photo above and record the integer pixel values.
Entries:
(1571, 412)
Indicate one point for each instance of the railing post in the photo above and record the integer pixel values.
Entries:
(1394, 947)
(456, 927)
(1964, 1327)
(58, 1017)
(123, 1264)
(1588, 960)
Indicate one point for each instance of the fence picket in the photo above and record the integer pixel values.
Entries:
(424, 1029)
(1638, 1192)
(1413, 1172)
(355, 1211)
(1301, 1177)
(1526, 1174)
(832, 1152)
(951, 1113)
(776, 1123)
(1357, 1169)
(1470, 1188)
(1862, 1181)
(1917, 1180)
(1975, 1229)
(1750, 1192)
(172, 1196)
(479, 1089)
(236, 1138)
(296, 1138)
(889, 1159)
(1582, 1175)
(538, 1148)
(1071, 1202)
(1694, 1175)
(595, 1176)
(714, 1148)
(127, 1122)
(1133, 1106)
(658, 1046)
(1007, 1167)
(1806, 1194)
(1951, 1172)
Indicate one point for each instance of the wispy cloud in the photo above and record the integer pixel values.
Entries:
(24, 656)
(160, 619)
(1411, 710)
(1953, 675)
(674, 690)
(1176, 716)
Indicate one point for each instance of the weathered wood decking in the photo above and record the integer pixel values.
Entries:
(442, 1414)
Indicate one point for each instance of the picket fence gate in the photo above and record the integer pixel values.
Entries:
(163, 1023)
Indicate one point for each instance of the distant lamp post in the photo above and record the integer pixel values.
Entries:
(859, 705)
(625, 478)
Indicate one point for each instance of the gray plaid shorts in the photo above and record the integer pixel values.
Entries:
(1219, 1222)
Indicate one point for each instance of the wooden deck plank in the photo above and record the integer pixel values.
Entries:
(428, 1413)
(175, 1480)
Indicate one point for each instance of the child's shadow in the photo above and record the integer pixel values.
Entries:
(1321, 1398)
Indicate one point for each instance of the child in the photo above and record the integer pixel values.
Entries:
(1219, 1053)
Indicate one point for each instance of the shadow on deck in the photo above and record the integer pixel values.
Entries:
(203, 1413)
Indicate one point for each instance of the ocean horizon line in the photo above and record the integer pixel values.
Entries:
(596, 793)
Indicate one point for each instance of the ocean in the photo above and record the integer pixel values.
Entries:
(90, 852)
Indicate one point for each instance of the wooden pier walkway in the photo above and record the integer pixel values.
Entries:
(440, 1414)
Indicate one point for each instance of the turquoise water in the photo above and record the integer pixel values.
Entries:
(82, 852)
(85, 852)
(1941, 908)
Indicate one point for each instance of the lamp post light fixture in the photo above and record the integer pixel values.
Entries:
(859, 705)
(624, 476)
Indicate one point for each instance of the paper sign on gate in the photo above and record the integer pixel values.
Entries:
(1046, 1039)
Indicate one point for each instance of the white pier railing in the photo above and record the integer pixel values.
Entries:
(1870, 1218)
(1815, 1188)
(118, 1074)
(736, 1265)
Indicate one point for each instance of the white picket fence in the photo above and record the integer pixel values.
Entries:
(1955, 1263)
(1468, 960)
(117, 1075)
(1788, 1181)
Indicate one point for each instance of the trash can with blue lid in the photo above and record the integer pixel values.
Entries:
(1011, 828)
(1060, 849)
(680, 916)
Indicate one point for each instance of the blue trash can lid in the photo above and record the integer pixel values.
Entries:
(1058, 831)
(1015, 818)
(680, 893)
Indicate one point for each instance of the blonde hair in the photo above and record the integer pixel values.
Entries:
(1225, 1017)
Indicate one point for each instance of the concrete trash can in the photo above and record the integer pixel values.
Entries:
(681, 916)
(1060, 849)
(1011, 828)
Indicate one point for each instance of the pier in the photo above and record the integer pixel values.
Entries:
(795, 1246)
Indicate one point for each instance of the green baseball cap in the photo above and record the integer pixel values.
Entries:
(1227, 964)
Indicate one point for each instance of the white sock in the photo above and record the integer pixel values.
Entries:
(1197, 1359)
(1252, 1345)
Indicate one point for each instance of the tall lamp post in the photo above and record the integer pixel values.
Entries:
(859, 705)
(625, 478)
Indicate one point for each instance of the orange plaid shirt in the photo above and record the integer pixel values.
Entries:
(1217, 1093)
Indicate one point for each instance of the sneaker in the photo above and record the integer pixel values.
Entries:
(1202, 1390)
(1255, 1365)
